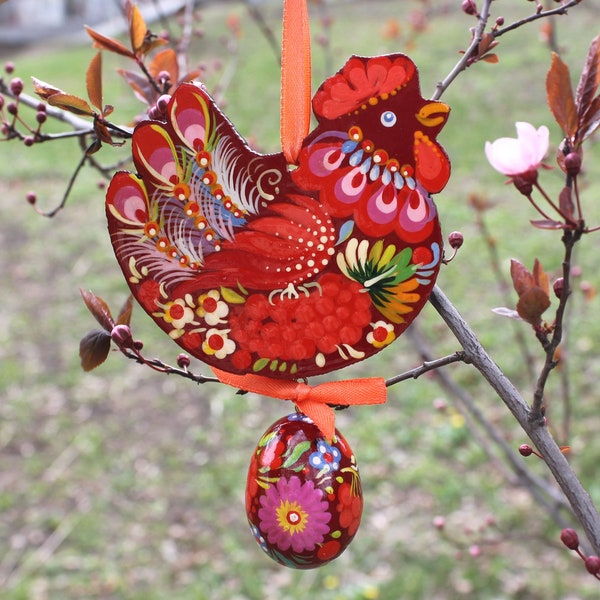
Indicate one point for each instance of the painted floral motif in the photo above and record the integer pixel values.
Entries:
(326, 459)
(294, 514)
(303, 494)
(350, 507)
(253, 267)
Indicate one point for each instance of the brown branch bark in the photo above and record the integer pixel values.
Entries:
(579, 499)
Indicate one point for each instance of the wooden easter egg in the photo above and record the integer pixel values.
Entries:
(303, 494)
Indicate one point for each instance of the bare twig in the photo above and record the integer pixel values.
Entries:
(159, 365)
(496, 32)
(560, 10)
(570, 238)
(428, 365)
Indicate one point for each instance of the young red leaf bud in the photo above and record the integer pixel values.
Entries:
(163, 77)
(573, 164)
(41, 107)
(31, 197)
(12, 108)
(121, 336)
(456, 239)
(16, 86)
(525, 450)
(500, 21)
(439, 522)
(138, 345)
(183, 361)
(569, 538)
(41, 117)
(592, 564)
(9, 67)
(2, 100)
(469, 7)
(154, 113)
(162, 102)
(29, 140)
(558, 287)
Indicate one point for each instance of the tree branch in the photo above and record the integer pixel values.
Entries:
(579, 499)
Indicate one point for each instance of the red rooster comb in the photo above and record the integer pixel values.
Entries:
(360, 82)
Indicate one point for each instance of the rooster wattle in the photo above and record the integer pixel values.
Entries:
(252, 265)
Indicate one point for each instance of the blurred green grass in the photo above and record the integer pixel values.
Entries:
(123, 483)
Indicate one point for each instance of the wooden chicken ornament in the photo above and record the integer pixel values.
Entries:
(255, 268)
(273, 268)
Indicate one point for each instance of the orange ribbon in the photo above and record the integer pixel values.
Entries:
(295, 78)
(312, 401)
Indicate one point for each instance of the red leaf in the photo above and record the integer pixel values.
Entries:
(137, 29)
(71, 103)
(94, 348)
(44, 90)
(560, 96)
(547, 224)
(522, 279)
(490, 58)
(110, 44)
(540, 277)
(94, 147)
(140, 86)
(503, 311)
(590, 78)
(99, 309)
(532, 304)
(590, 121)
(565, 203)
(101, 130)
(124, 317)
(165, 60)
(93, 80)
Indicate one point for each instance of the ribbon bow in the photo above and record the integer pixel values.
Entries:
(313, 401)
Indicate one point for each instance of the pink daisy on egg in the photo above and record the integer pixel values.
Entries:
(294, 514)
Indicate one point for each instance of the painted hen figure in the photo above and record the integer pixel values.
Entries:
(254, 266)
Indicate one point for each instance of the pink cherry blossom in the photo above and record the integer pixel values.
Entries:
(521, 156)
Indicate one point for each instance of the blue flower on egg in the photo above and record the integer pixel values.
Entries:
(326, 458)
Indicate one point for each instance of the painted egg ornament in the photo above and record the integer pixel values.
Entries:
(303, 494)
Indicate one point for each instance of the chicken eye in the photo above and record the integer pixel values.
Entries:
(388, 118)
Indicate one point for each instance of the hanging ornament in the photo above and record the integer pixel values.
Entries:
(274, 268)
(303, 494)
(252, 268)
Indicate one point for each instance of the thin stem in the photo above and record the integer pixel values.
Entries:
(536, 206)
(425, 367)
(569, 239)
(561, 10)
(464, 62)
(551, 202)
(159, 365)
(496, 32)
(52, 213)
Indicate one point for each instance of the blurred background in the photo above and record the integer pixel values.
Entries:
(124, 483)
